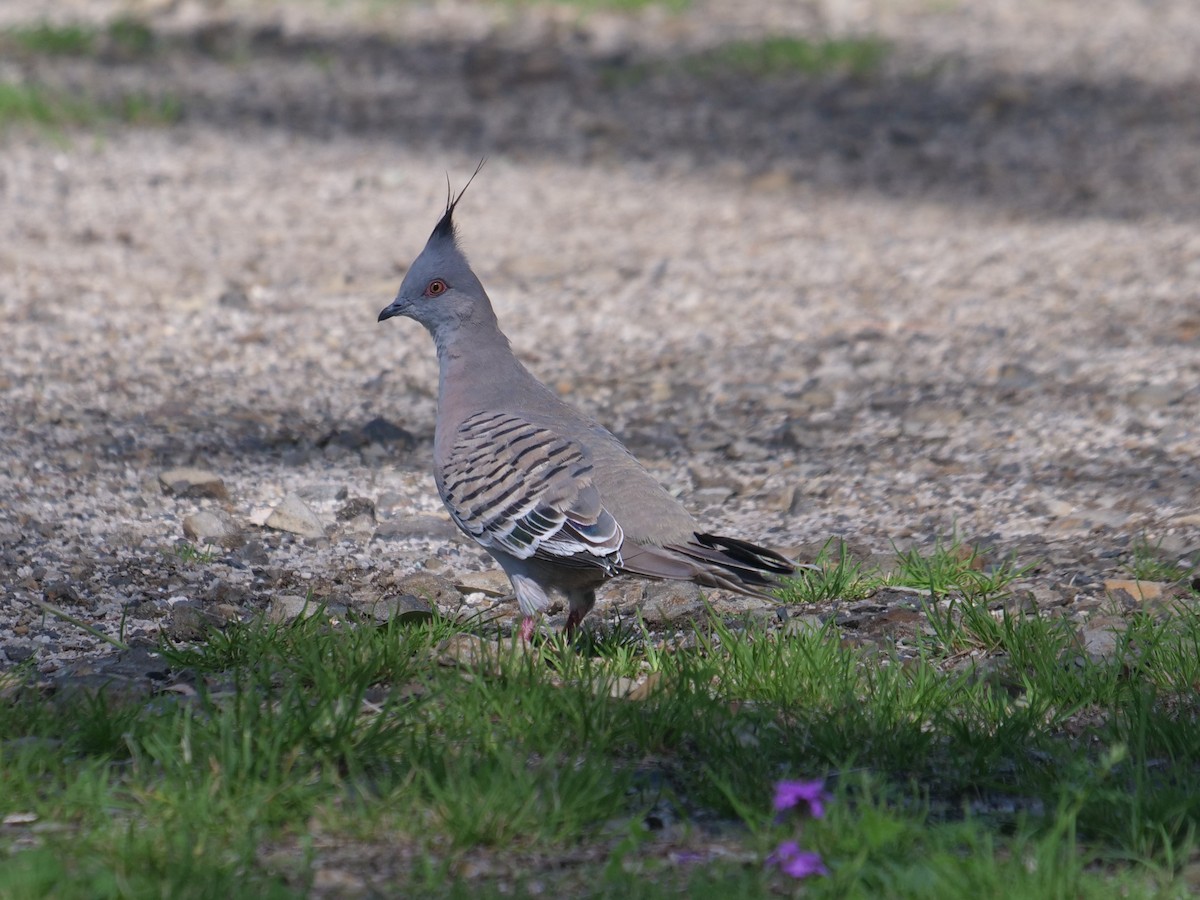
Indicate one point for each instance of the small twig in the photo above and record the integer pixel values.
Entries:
(94, 632)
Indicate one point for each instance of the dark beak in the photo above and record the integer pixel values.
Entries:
(388, 311)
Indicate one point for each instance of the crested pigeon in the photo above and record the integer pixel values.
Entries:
(553, 496)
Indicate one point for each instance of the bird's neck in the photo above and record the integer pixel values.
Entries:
(476, 371)
(470, 353)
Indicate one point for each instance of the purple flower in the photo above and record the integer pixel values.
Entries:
(791, 793)
(796, 862)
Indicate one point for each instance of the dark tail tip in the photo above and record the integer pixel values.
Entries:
(748, 555)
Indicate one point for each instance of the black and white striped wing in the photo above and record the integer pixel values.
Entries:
(521, 488)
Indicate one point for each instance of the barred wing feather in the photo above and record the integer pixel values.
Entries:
(520, 488)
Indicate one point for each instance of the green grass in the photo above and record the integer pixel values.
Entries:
(52, 40)
(777, 56)
(953, 566)
(947, 567)
(773, 57)
(289, 744)
(833, 577)
(48, 108)
(130, 37)
(189, 553)
(33, 104)
(961, 594)
(51, 109)
(124, 36)
(1146, 563)
(616, 5)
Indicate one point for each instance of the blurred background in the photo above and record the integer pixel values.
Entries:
(1044, 107)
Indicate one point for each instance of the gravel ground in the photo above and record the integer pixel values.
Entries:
(961, 293)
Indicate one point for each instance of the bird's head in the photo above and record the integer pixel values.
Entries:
(440, 290)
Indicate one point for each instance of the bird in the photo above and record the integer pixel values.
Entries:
(553, 496)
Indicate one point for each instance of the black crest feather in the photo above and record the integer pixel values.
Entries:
(445, 226)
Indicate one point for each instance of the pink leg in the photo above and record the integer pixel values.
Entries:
(574, 617)
(528, 626)
(579, 604)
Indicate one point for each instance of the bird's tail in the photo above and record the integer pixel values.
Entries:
(711, 561)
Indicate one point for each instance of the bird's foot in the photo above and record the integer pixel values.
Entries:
(573, 620)
(528, 627)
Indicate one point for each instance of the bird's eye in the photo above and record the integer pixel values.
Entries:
(435, 287)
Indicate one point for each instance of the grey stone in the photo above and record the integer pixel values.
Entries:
(213, 526)
(669, 602)
(1154, 396)
(1102, 638)
(1013, 377)
(492, 582)
(186, 622)
(803, 625)
(380, 431)
(803, 435)
(321, 492)
(747, 451)
(253, 553)
(467, 651)
(355, 507)
(294, 516)
(815, 398)
(361, 528)
(234, 297)
(60, 591)
(225, 592)
(420, 526)
(190, 620)
(289, 607)
(145, 609)
(403, 608)
(389, 503)
(19, 651)
(193, 483)
(434, 589)
(1100, 644)
(930, 422)
(710, 497)
(716, 478)
(626, 595)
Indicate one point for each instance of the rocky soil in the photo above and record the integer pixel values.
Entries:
(958, 294)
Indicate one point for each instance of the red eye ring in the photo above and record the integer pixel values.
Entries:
(435, 288)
